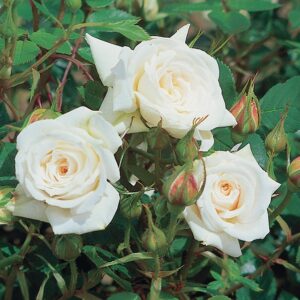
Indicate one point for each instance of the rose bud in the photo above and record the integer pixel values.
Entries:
(40, 114)
(276, 140)
(184, 186)
(73, 4)
(154, 239)
(187, 149)
(150, 8)
(158, 138)
(131, 206)
(247, 114)
(294, 175)
(67, 247)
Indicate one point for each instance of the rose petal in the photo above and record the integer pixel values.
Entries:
(105, 56)
(222, 241)
(97, 218)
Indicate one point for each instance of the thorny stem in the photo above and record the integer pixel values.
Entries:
(190, 256)
(155, 282)
(268, 264)
(65, 76)
(280, 208)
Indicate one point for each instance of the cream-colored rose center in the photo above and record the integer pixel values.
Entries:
(226, 195)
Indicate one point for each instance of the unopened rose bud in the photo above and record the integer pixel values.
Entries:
(158, 138)
(131, 206)
(41, 114)
(294, 175)
(67, 247)
(8, 28)
(150, 8)
(276, 140)
(74, 5)
(184, 186)
(154, 239)
(247, 113)
(187, 149)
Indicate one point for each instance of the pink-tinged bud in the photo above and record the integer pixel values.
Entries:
(184, 186)
(276, 140)
(41, 114)
(294, 175)
(246, 112)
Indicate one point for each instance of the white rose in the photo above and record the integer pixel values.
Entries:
(161, 79)
(234, 202)
(62, 166)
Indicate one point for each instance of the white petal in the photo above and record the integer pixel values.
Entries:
(220, 240)
(252, 231)
(77, 117)
(123, 122)
(27, 207)
(110, 165)
(101, 129)
(206, 138)
(98, 217)
(181, 33)
(105, 56)
(228, 120)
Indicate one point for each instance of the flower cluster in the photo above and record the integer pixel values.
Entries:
(66, 166)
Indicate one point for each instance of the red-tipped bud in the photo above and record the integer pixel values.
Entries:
(41, 114)
(184, 186)
(294, 175)
(276, 140)
(246, 112)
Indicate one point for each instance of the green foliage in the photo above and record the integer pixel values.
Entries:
(44, 58)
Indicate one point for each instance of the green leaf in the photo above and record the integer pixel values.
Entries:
(177, 8)
(252, 5)
(230, 22)
(47, 40)
(35, 80)
(58, 277)
(124, 296)
(85, 53)
(287, 265)
(128, 258)
(7, 159)
(4, 117)
(99, 3)
(274, 103)
(127, 28)
(219, 297)
(257, 147)
(223, 140)
(91, 253)
(25, 52)
(92, 94)
(227, 84)
(294, 17)
(110, 16)
(40, 295)
(23, 284)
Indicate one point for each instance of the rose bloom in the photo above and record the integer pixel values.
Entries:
(234, 202)
(63, 167)
(161, 80)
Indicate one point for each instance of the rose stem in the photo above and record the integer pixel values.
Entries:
(280, 208)
(190, 255)
(155, 282)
